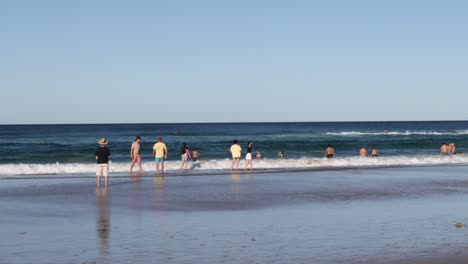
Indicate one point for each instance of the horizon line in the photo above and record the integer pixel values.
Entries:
(237, 122)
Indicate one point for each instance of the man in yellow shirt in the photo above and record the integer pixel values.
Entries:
(159, 154)
(236, 152)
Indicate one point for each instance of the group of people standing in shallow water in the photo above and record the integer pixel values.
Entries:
(160, 156)
(330, 152)
(449, 148)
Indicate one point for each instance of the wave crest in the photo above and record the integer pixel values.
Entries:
(400, 133)
(224, 165)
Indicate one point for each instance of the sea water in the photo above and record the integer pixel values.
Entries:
(69, 149)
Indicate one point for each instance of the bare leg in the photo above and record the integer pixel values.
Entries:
(237, 163)
(157, 167)
(98, 180)
(162, 167)
(131, 166)
(106, 178)
(139, 165)
(232, 165)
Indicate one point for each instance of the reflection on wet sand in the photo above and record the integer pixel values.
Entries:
(136, 177)
(102, 219)
(235, 179)
(159, 182)
(137, 195)
(160, 200)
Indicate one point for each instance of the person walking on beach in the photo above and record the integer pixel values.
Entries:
(363, 151)
(135, 154)
(185, 155)
(236, 152)
(329, 152)
(444, 149)
(248, 157)
(102, 158)
(159, 154)
(374, 153)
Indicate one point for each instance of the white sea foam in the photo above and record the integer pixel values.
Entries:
(400, 133)
(224, 165)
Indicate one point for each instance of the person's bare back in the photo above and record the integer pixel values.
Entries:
(444, 149)
(363, 152)
(452, 149)
(329, 152)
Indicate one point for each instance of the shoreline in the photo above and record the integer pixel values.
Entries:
(397, 215)
(222, 172)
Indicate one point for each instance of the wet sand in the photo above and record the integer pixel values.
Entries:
(400, 215)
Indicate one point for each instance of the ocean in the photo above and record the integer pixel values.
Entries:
(34, 150)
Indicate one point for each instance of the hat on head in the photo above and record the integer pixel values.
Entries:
(159, 138)
(102, 141)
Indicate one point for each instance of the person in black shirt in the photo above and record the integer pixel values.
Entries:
(248, 157)
(102, 158)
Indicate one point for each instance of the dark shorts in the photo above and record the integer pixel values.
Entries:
(329, 156)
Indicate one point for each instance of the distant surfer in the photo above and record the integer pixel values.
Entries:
(135, 153)
(374, 153)
(363, 152)
(444, 149)
(329, 152)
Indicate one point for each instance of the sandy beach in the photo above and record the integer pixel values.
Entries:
(398, 215)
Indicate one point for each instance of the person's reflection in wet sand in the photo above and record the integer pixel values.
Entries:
(137, 195)
(159, 198)
(159, 182)
(235, 179)
(136, 177)
(102, 219)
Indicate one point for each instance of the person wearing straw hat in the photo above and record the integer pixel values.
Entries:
(102, 158)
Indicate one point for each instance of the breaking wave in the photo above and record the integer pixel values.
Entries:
(399, 133)
(213, 166)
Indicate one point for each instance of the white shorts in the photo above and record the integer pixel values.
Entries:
(184, 157)
(102, 169)
(248, 156)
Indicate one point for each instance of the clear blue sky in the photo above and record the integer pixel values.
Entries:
(223, 61)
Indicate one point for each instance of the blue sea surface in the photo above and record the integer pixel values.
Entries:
(76, 144)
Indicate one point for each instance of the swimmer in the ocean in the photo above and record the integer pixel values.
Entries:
(363, 151)
(329, 152)
(444, 149)
(281, 154)
(452, 149)
(374, 153)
